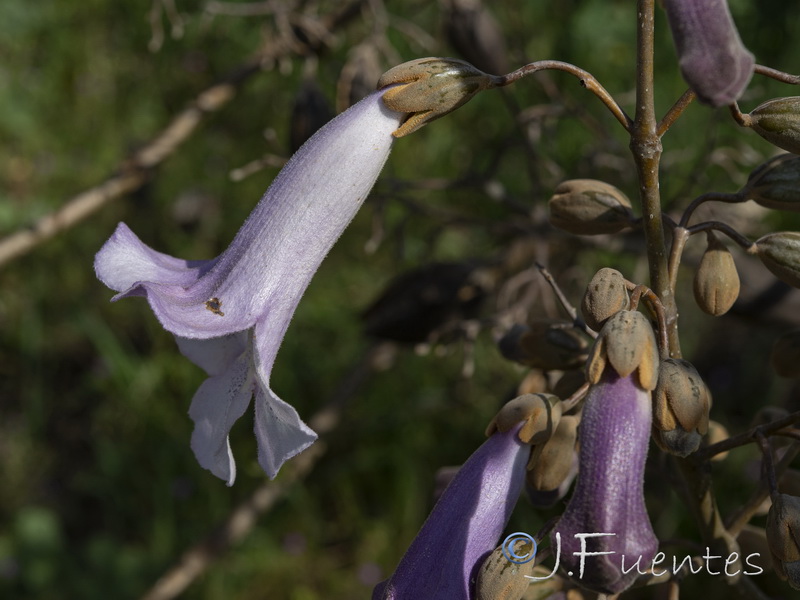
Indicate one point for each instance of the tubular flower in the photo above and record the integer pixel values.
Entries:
(712, 58)
(229, 314)
(464, 526)
(605, 531)
(609, 497)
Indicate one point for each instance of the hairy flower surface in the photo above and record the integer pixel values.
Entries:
(464, 526)
(229, 314)
(609, 496)
(712, 58)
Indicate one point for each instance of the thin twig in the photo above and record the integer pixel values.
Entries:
(565, 303)
(587, 80)
(709, 197)
(736, 522)
(746, 437)
(777, 75)
(767, 462)
(723, 228)
(674, 112)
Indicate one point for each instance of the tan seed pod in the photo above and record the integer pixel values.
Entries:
(555, 461)
(545, 344)
(501, 579)
(778, 121)
(776, 183)
(780, 253)
(680, 398)
(540, 414)
(716, 282)
(627, 344)
(605, 296)
(785, 356)
(589, 207)
(431, 88)
(783, 537)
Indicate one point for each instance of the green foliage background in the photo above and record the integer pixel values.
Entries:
(100, 492)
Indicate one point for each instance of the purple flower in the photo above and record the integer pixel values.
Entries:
(712, 58)
(464, 526)
(229, 314)
(609, 497)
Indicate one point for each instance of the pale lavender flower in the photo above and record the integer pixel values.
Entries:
(229, 314)
(464, 526)
(609, 495)
(712, 58)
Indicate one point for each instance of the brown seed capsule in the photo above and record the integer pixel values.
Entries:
(556, 459)
(780, 253)
(589, 207)
(785, 355)
(626, 343)
(430, 88)
(775, 183)
(778, 121)
(605, 296)
(540, 414)
(680, 408)
(502, 579)
(680, 398)
(783, 537)
(716, 282)
(545, 344)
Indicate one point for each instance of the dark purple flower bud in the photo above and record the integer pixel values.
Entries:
(464, 526)
(712, 58)
(605, 526)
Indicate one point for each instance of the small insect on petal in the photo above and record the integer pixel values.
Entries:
(214, 305)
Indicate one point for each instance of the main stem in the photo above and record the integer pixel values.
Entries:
(646, 148)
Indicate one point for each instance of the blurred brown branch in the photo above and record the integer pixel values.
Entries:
(136, 170)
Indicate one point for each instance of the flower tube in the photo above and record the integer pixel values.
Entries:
(229, 314)
(605, 532)
(711, 56)
(464, 526)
